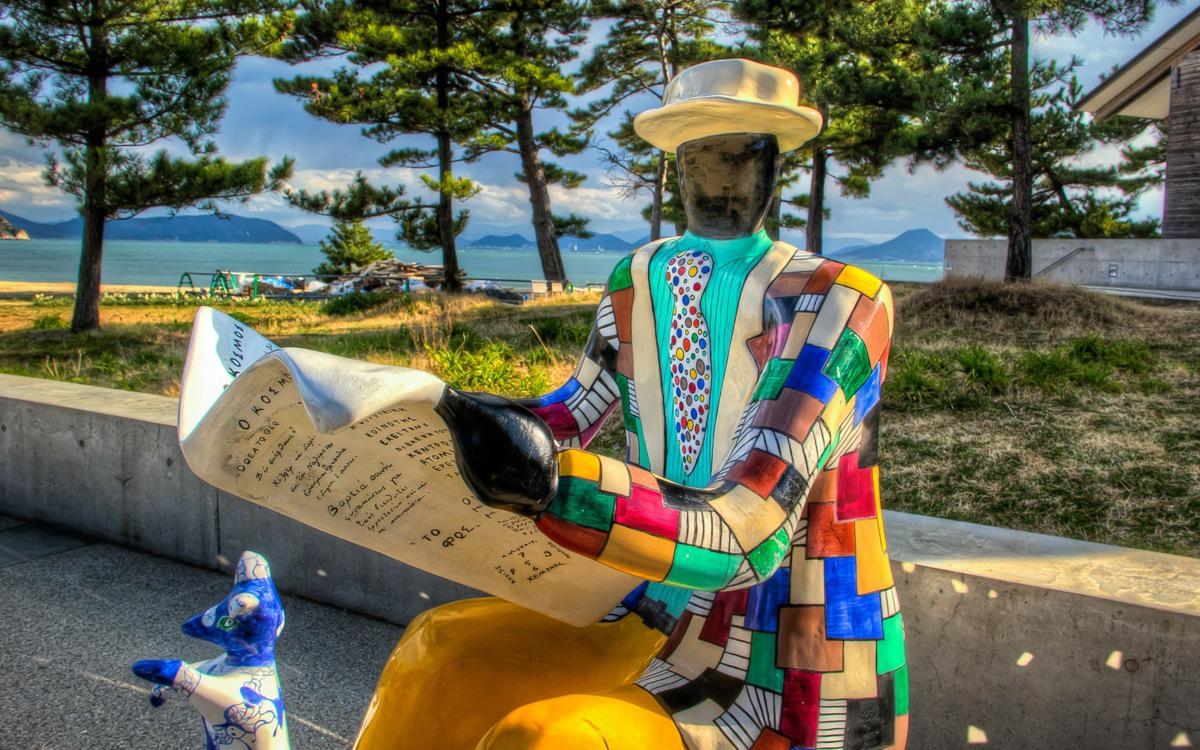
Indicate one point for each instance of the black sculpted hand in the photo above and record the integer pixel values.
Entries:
(504, 452)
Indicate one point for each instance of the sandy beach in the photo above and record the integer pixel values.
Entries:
(12, 289)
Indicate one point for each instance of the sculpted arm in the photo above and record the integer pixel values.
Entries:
(576, 411)
(736, 532)
(802, 416)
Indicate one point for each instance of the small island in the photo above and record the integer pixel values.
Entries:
(9, 232)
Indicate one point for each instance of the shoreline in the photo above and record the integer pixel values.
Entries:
(18, 289)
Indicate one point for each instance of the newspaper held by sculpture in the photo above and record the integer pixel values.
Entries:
(356, 450)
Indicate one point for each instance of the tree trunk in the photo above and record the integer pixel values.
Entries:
(816, 201)
(445, 209)
(1018, 266)
(1181, 201)
(656, 203)
(86, 316)
(445, 219)
(539, 198)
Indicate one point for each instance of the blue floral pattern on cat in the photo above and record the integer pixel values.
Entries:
(238, 693)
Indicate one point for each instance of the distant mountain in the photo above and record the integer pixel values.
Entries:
(834, 245)
(631, 235)
(913, 246)
(605, 243)
(313, 234)
(37, 230)
(310, 234)
(202, 228)
(502, 241)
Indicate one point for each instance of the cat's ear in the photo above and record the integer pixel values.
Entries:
(252, 567)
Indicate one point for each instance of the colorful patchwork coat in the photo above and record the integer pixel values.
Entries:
(772, 581)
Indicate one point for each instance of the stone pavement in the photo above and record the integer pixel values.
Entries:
(76, 614)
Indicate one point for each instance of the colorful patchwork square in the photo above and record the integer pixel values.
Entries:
(699, 568)
(856, 681)
(807, 374)
(644, 510)
(759, 471)
(581, 539)
(725, 605)
(870, 722)
(769, 739)
(858, 279)
(857, 490)
(789, 284)
(763, 672)
(803, 642)
(823, 277)
(874, 569)
(848, 615)
(562, 393)
(558, 418)
(620, 278)
(808, 579)
(768, 344)
(765, 599)
(579, 464)
(751, 518)
(578, 502)
(848, 365)
(614, 477)
(793, 413)
(867, 396)
(827, 537)
(771, 380)
(801, 706)
(638, 553)
(889, 654)
(766, 558)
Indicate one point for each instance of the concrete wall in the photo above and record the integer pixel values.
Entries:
(107, 463)
(1148, 264)
(1017, 640)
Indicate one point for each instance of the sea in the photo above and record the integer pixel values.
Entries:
(164, 263)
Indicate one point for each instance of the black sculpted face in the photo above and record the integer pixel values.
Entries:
(727, 182)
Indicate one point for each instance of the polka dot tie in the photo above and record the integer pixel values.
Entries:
(691, 372)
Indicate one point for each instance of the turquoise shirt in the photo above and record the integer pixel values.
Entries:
(733, 260)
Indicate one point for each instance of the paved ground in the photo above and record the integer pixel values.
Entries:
(74, 615)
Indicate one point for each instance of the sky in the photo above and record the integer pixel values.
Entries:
(261, 122)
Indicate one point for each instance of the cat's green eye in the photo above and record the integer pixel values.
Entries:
(227, 624)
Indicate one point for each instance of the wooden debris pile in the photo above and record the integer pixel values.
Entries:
(390, 274)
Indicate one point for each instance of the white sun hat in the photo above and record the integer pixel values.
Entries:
(730, 96)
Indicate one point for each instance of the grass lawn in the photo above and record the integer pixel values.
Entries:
(1042, 408)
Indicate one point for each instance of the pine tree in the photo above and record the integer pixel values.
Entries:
(406, 76)
(647, 44)
(349, 247)
(979, 53)
(104, 78)
(1068, 199)
(522, 49)
(633, 168)
(857, 63)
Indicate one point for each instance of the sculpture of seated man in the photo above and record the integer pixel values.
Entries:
(747, 376)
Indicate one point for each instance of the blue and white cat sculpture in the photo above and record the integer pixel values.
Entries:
(237, 694)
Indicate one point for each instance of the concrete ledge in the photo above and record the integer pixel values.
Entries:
(1026, 640)
(107, 463)
(1145, 264)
